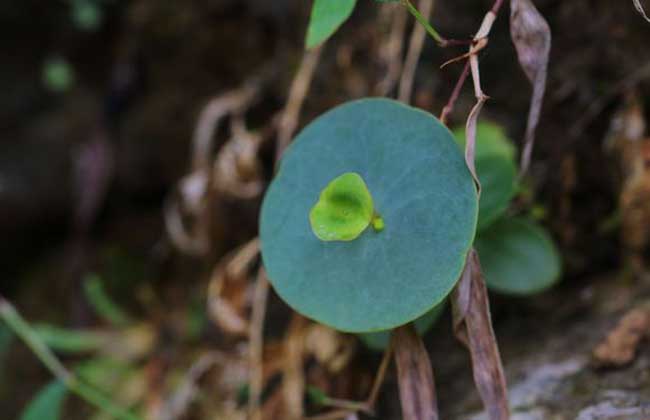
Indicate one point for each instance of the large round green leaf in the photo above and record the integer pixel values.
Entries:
(518, 257)
(379, 340)
(421, 188)
(496, 169)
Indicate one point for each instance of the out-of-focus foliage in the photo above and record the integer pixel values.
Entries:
(47, 403)
(326, 17)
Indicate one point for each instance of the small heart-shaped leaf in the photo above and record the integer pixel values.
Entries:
(344, 209)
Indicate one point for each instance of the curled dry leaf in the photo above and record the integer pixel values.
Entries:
(229, 291)
(620, 346)
(237, 170)
(480, 42)
(330, 348)
(532, 38)
(473, 327)
(639, 8)
(417, 390)
(187, 211)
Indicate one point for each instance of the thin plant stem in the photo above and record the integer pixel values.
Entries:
(455, 94)
(26, 333)
(425, 23)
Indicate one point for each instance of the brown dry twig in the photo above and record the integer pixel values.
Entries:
(293, 382)
(297, 93)
(444, 116)
(413, 55)
(392, 50)
(256, 344)
(179, 402)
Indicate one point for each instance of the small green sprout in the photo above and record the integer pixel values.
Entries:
(344, 210)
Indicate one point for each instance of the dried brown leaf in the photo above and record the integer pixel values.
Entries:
(414, 374)
(473, 327)
(620, 346)
(532, 38)
(480, 42)
(639, 8)
(229, 295)
(237, 170)
(470, 130)
(330, 348)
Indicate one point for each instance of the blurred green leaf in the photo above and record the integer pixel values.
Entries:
(326, 17)
(47, 404)
(316, 395)
(102, 302)
(71, 341)
(6, 337)
(87, 14)
(518, 257)
(102, 372)
(58, 75)
(496, 169)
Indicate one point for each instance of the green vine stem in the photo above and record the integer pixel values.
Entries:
(425, 23)
(26, 333)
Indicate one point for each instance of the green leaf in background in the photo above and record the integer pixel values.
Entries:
(87, 15)
(58, 75)
(421, 187)
(102, 372)
(344, 209)
(495, 165)
(326, 17)
(71, 341)
(379, 340)
(105, 307)
(518, 257)
(6, 337)
(47, 404)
